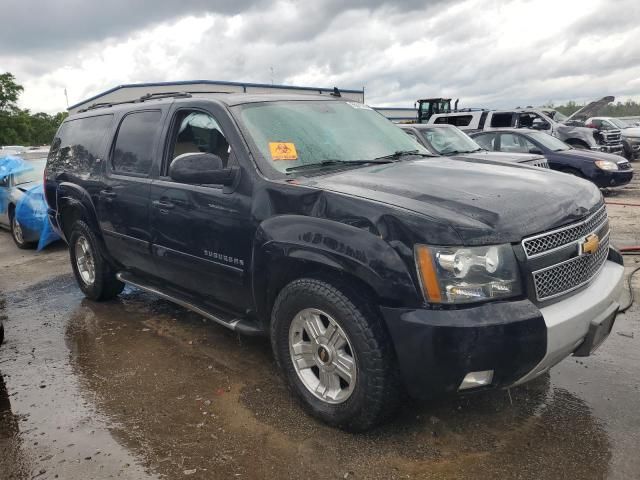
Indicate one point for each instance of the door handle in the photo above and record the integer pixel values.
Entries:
(163, 205)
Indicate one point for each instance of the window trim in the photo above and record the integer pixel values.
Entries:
(115, 173)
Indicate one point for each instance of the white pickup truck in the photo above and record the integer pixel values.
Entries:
(537, 119)
(630, 134)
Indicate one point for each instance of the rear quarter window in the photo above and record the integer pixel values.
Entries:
(78, 143)
(456, 120)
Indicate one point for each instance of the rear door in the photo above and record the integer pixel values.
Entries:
(202, 234)
(123, 201)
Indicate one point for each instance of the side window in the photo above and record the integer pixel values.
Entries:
(510, 142)
(78, 144)
(486, 141)
(457, 120)
(501, 120)
(135, 141)
(195, 131)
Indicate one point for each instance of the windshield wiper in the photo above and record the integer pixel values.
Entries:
(451, 152)
(402, 153)
(330, 163)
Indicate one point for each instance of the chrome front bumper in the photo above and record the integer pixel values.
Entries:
(568, 321)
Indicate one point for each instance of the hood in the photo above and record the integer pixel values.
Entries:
(484, 203)
(591, 109)
(631, 132)
(501, 156)
(592, 155)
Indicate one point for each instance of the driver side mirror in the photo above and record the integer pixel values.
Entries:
(535, 151)
(200, 168)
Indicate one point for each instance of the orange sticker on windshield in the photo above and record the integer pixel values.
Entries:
(283, 151)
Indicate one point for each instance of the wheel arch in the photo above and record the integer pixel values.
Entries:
(292, 247)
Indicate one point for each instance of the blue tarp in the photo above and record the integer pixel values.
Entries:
(11, 164)
(31, 213)
(31, 210)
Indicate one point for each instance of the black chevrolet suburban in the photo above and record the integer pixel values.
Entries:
(374, 267)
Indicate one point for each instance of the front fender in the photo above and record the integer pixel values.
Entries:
(332, 245)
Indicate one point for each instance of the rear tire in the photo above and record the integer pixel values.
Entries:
(94, 275)
(345, 373)
(18, 235)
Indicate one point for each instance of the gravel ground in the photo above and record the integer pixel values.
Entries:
(140, 388)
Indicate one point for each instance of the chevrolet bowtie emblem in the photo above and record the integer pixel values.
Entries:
(590, 244)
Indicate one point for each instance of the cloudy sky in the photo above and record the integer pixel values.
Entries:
(486, 52)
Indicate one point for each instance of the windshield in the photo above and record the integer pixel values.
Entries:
(449, 140)
(619, 123)
(548, 141)
(34, 175)
(293, 134)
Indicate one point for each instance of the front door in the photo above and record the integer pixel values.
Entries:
(201, 234)
(123, 200)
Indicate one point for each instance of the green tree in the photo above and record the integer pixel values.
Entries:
(21, 127)
(9, 92)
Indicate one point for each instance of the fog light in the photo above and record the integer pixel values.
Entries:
(476, 379)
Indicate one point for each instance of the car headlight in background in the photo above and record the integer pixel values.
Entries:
(467, 274)
(606, 165)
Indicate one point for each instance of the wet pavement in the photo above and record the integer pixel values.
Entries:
(139, 388)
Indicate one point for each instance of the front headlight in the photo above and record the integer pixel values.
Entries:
(606, 165)
(467, 274)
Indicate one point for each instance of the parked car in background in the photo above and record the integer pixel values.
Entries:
(12, 148)
(13, 188)
(603, 169)
(450, 141)
(317, 222)
(630, 133)
(576, 136)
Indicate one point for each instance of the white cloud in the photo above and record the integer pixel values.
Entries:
(502, 53)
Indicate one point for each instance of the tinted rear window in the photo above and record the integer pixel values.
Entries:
(78, 143)
(457, 120)
(134, 146)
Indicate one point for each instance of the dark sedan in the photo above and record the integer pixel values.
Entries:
(450, 141)
(603, 169)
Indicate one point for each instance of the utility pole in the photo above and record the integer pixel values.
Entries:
(271, 68)
(66, 97)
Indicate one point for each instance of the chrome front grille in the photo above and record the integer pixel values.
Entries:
(546, 242)
(612, 136)
(564, 277)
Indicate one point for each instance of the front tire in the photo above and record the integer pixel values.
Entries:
(335, 354)
(94, 275)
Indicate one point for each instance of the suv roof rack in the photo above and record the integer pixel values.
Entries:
(143, 98)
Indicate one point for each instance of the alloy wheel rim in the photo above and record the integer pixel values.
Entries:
(17, 231)
(322, 356)
(85, 260)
